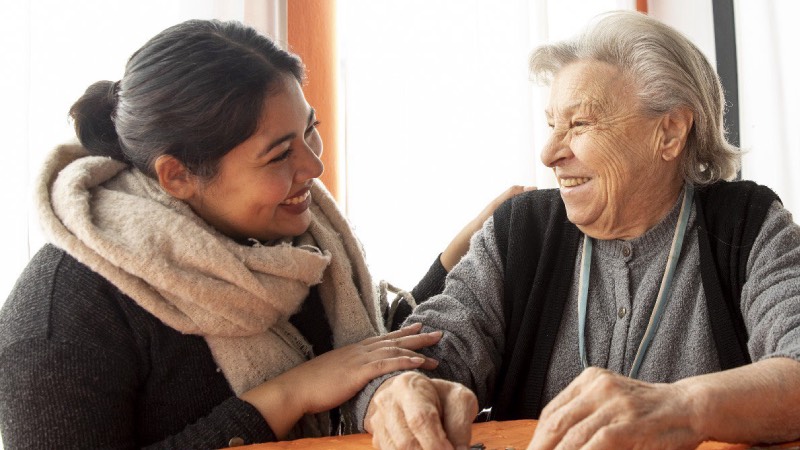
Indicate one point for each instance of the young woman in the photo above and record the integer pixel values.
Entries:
(201, 288)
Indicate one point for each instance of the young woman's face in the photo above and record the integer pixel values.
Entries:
(262, 188)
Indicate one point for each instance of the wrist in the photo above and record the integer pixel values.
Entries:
(371, 407)
(695, 401)
(276, 404)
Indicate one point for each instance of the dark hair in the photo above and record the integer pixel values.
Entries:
(194, 91)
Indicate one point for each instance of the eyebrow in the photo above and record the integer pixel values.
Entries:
(570, 107)
(287, 137)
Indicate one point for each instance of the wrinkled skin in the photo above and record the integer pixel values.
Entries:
(618, 169)
(604, 410)
(411, 411)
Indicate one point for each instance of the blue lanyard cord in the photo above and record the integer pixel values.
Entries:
(583, 296)
(663, 292)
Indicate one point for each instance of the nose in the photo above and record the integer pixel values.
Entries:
(556, 149)
(310, 165)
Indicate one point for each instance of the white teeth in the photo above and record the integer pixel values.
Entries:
(572, 182)
(296, 200)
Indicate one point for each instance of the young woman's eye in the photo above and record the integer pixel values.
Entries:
(281, 157)
(312, 127)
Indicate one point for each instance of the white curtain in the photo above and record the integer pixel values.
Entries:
(769, 95)
(440, 115)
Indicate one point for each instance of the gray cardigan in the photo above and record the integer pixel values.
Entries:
(622, 292)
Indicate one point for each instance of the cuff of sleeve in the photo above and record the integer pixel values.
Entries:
(360, 403)
(240, 423)
(789, 354)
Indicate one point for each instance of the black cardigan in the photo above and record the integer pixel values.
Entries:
(538, 247)
(83, 366)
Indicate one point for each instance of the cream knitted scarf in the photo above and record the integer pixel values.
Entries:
(122, 225)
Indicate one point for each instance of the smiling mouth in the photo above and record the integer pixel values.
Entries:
(572, 182)
(296, 200)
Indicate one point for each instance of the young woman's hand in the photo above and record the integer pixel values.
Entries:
(332, 378)
(459, 246)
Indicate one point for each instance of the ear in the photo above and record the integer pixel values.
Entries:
(175, 178)
(675, 128)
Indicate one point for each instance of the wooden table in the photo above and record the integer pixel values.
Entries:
(494, 435)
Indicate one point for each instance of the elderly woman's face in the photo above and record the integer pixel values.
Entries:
(604, 153)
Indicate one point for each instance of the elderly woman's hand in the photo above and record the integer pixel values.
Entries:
(460, 244)
(334, 377)
(604, 410)
(412, 411)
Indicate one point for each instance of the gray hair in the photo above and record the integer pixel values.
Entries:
(669, 72)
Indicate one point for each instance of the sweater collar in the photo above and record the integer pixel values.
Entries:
(651, 242)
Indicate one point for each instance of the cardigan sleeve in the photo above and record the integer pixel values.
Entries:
(431, 284)
(770, 299)
(77, 370)
(63, 395)
(470, 313)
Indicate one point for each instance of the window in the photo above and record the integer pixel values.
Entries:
(441, 116)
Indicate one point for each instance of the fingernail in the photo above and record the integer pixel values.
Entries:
(414, 325)
(436, 333)
(417, 359)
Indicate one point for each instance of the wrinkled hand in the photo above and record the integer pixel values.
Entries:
(412, 411)
(334, 377)
(604, 410)
(460, 244)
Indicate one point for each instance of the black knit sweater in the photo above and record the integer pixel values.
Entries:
(83, 366)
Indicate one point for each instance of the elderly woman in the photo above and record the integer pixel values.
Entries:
(646, 303)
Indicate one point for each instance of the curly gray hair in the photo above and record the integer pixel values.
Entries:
(670, 72)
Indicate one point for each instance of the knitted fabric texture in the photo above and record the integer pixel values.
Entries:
(121, 224)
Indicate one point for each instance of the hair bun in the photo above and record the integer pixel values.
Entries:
(93, 118)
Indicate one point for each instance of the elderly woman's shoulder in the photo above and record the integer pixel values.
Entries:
(727, 190)
(536, 197)
(729, 199)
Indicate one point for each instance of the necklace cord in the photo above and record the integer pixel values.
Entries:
(663, 292)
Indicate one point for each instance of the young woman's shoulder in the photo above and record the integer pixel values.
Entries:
(61, 300)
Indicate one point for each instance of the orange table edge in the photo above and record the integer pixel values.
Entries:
(494, 435)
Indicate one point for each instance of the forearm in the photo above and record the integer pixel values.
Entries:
(459, 246)
(470, 313)
(759, 402)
